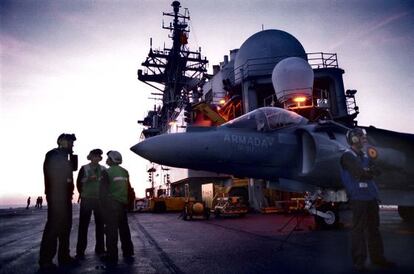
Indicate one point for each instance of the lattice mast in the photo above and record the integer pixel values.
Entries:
(178, 69)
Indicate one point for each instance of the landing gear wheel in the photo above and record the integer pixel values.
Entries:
(406, 213)
(332, 222)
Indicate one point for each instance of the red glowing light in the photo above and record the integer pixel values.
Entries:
(299, 99)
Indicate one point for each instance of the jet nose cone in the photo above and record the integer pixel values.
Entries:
(176, 149)
(157, 149)
(142, 149)
(136, 149)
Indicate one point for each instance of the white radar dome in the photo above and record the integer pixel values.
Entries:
(292, 77)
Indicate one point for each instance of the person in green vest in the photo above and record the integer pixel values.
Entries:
(88, 184)
(114, 198)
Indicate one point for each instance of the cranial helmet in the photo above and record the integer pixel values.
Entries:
(94, 152)
(115, 156)
(354, 135)
(65, 136)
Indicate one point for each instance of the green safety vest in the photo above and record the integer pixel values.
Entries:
(118, 183)
(90, 188)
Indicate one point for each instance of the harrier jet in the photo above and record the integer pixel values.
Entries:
(290, 152)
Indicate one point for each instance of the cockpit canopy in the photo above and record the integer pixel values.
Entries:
(267, 119)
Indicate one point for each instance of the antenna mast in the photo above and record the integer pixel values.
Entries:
(179, 70)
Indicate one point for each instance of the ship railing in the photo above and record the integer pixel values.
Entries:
(322, 60)
(264, 66)
(257, 67)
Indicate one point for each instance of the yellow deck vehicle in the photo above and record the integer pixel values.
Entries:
(159, 204)
(164, 204)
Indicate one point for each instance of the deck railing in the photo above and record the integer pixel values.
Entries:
(264, 66)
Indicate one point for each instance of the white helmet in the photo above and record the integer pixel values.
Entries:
(115, 156)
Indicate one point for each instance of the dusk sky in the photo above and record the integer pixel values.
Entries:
(70, 66)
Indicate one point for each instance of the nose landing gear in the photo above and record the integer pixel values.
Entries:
(326, 214)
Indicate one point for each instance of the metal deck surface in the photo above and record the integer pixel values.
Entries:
(253, 244)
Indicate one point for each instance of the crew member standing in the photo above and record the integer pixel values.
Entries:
(40, 201)
(114, 197)
(37, 202)
(28, 203)
(58, 170)
(88, 182)
(357, 175)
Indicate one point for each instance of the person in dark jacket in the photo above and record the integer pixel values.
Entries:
(58, 170)
(40, 201)
(28, 203)
(88, 183)
(358, 172)
(114, 198)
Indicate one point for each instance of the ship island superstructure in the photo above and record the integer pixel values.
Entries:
(240, 83)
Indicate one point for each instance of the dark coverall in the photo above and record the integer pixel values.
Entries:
(59, 186)
(357, 174)
(115, 218)
(89, 203)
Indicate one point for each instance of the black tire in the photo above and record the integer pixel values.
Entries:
(184, 214)
(406, 213)
(160, 207)
(333, 222)
(207, 213)
(217, 214)
(188, 213)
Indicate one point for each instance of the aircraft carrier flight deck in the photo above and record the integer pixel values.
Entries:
(164, 243)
